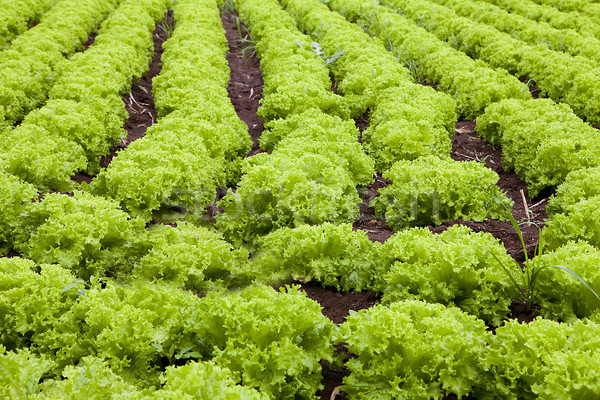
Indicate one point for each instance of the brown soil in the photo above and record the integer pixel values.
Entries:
(246, 84)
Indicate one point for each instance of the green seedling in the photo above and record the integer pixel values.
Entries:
(525, 280)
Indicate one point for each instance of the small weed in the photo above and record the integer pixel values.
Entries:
(526, 279)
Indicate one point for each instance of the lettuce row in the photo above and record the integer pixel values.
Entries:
(91, 378)
(198, 142)
(414, 350)
(542, 140)
(431, 190)
(331, 255)
(20, 373)
(289, 190)
(85, 114)
(311, 175)
(473, 84)
(272, 341)
(567, 40)
(559, 19)
(417, 350)
(18, 16)
(295, 76)
(15, 195)
(28, 68)
(583, 7)
(544, 359)
(456, 268)
(92, 237)
(561, 77)
(269, 340)
(406, 120)
(31, 301)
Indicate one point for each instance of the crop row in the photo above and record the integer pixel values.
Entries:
(584, 24)
(561, 77)
(29, 67)
(473, 84)
(85, 114)
(103, 302)
(567, 40)
(196, 145)
(18, 16)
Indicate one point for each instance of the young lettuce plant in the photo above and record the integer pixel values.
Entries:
(526, 279)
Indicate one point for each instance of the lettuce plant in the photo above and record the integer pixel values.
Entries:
(412, 349)
(430, 190)
(578, 185)
(191, 257)
(456, 267)
(578, 222)
(31, 299)
(88, 234)
(544, 359)
(15, 195)
(333, 255)
(270, 340)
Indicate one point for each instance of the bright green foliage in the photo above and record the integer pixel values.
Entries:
(198, 39)
(578, 185)
(559, 76)
(545, 360)
(20, 373)
(543, 141)
(409, 122)
(197, 144)
(578, 21)
(14, 195)
(332, 255)
(430, 190)
(456, 267)
(89, 379)
(223, 134)
(281, 191)
(87, 234)
(84, 117)
(472, 83)
(191, 257)
(51, 168)
(78, 123)
(504, 115)
(561, 296)
(18, 16)
(311, 125)
(580, 221)
(270, 340)
(294, 72)
(28, 68)
(30, 302)
(566, 40)
(203, 381)
(130, 327)
(160, 170)
(328, 136)
(413, 350)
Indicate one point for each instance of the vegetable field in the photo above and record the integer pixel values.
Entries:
(299, 199)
